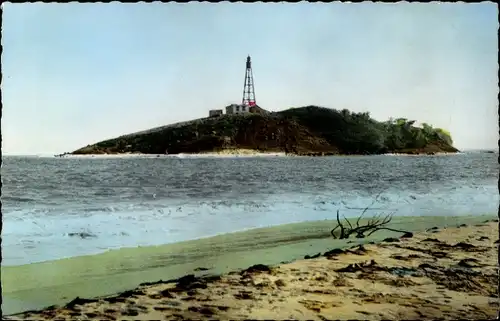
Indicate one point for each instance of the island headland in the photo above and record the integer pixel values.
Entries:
(310, 130)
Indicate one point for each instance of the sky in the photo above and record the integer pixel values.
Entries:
(75, 74)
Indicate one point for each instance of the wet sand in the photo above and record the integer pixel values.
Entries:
(440, 272)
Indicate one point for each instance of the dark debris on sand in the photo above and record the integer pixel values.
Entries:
(257, 268)
(357, 250)
(308, 257)
(460, 279)
(78, 301)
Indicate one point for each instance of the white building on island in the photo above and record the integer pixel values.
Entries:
(237, 109)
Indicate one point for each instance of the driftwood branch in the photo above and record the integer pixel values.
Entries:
(376, 223)
(388, 229)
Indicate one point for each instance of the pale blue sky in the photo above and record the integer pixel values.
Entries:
(75, 74)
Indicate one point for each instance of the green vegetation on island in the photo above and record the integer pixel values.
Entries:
(307, 130)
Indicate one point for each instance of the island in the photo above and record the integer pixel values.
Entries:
(310, 130)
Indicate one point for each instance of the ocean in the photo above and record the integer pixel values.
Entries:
(64, 207)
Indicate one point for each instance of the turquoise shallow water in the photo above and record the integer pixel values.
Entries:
(128, 202)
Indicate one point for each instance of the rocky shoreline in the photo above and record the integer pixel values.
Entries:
(413, 153)
(448, 273)
(249, 152)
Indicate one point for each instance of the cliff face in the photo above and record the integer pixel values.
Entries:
(299, 131)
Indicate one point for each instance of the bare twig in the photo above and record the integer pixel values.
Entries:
(366, 208)
(350, 225)
(336, 227)
(333, 230)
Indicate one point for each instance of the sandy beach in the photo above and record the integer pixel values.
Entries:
(445, 272)
(239, 152)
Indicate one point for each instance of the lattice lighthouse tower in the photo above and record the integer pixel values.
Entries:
(248, 87)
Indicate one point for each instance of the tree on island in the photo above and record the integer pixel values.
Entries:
(358, 133)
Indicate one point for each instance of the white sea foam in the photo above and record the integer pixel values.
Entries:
(101, 156)
(420, 155)
(230, 153)
(31, 237)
